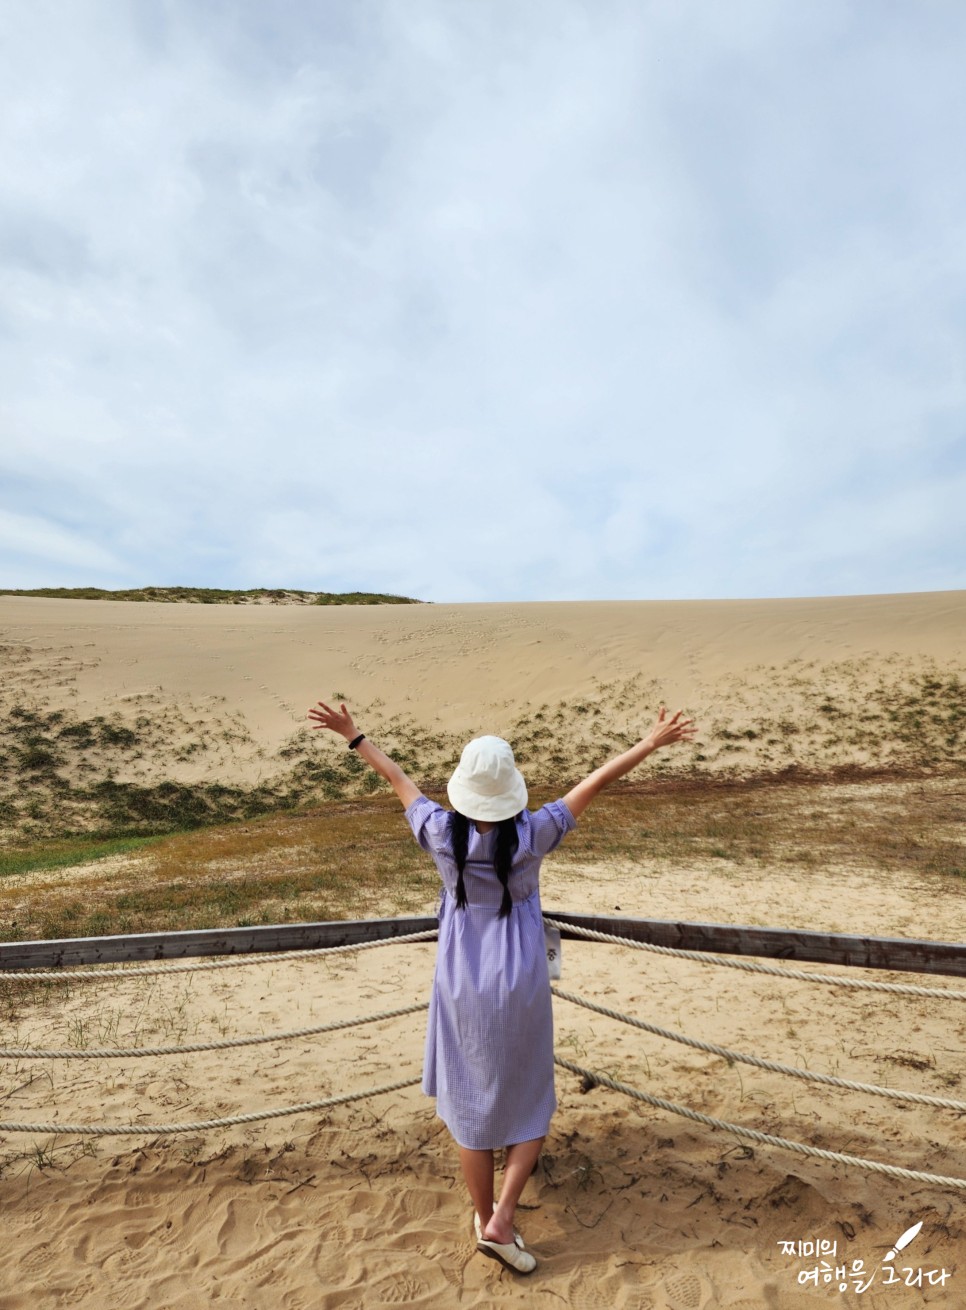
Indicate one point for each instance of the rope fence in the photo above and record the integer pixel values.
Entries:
(829, 1080)
(132, 1052)
(591, 1078)
(595, 1079)
(202, 1125)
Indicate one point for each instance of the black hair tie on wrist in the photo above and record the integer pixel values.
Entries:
(353, 744)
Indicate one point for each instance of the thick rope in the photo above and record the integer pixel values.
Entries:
(81, 975)
(829, 1080)
(593, 1079)
(702, 957)
(116, 1053)
(202, 1125)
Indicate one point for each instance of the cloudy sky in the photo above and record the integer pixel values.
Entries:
(482, 300)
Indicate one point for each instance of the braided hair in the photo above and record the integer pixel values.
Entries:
(507, 840)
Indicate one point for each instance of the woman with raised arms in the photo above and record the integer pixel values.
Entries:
(489, 1042)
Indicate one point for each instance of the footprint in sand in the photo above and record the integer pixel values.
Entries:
(684, 1292)
(26, 1219)
(37, 1259)
(82, 1293)
(401, 1290)
(336, 1235)
(580, 1298)
(453, 1261)
(118, 1262)
(262, 1270)
(418, 1205)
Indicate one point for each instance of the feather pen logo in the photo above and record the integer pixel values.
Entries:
(903, 1241)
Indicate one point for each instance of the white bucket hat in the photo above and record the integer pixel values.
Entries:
(487, 784)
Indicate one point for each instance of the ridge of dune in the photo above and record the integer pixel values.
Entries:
(446, 664)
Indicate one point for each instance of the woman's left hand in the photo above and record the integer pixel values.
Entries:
(324, 717)
(668, 731)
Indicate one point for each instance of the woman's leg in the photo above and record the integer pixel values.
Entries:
(478, 1174)
(520, 1160)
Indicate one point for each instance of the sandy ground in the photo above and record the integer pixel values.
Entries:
(362, 1205)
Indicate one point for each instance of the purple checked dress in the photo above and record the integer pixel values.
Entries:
(489, 1041)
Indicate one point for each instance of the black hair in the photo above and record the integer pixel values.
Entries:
(507, 840)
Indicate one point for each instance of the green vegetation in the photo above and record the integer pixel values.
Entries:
(63, 775)
(216, 595)
(280, 868)
(847, 763)
(58, 774)
(361, 598)
(357, 858)
(64, 855)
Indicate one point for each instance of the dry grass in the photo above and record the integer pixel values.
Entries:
(356, 859)
(856, 762)
(913, 826)
(280, 868)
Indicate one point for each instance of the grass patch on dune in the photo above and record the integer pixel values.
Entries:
(351, 860)
(357, 859)
(68, 854)
(848, 773)
(162, 766)
(58, 773)
(907, 826)
(216, 595)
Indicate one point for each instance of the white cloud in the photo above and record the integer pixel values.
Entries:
(480, 302)
(36, 546)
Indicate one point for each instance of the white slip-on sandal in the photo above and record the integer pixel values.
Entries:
(478, 1229)
(512, 1255)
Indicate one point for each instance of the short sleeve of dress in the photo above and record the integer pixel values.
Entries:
(429, 823)
(549, 826)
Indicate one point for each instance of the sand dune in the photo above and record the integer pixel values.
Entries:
(361, 1206)
(451, 663)
(221, 692)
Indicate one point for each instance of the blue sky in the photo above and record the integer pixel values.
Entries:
(488, 301)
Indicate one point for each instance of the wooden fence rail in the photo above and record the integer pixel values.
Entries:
(897, 953)
(903, 954)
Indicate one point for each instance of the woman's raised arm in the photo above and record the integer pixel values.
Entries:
(664, 733)
(342, 723)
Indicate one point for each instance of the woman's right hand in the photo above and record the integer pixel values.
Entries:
(324, 717)
(669, 730)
